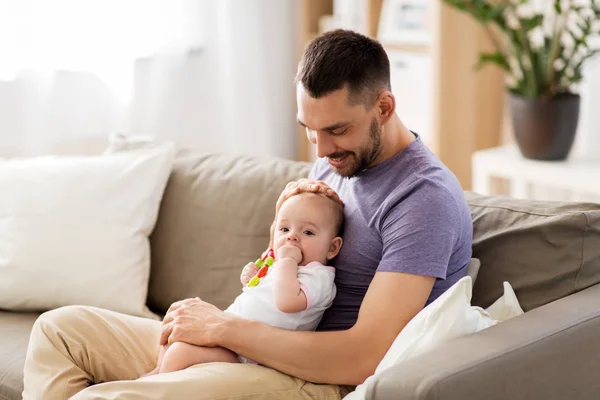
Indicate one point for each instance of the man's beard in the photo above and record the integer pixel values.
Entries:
(359, 161)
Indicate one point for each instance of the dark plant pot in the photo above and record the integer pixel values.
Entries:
(545, 128)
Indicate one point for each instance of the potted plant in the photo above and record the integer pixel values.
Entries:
(543, 52)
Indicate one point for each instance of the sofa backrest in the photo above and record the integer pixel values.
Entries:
(214, 218)
(217, 210)
(545, 250)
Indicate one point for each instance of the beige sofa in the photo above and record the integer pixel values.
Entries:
(215, 217)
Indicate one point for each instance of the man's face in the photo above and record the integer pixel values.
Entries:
(348, 135)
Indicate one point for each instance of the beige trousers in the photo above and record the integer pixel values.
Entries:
(89, 353)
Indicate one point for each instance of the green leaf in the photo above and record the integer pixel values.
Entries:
(460, 4)
(557, 7)
(576, 78)
(541, 61)
(491, 12)
(529, 24)
(578, 41)
(591, 54)
(494, 58)
(481, 11)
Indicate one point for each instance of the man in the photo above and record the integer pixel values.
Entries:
(407, 238)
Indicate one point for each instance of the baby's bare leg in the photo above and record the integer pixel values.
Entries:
(161, 355)
(181, 355)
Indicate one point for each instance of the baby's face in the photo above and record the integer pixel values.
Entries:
(307, 222)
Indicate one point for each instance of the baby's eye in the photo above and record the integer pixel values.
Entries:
(284, 230)
(309, 233)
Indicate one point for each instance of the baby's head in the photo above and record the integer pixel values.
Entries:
(313, 223)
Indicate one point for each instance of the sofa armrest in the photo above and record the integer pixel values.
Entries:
(552, 352)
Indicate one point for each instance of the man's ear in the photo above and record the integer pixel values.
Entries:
(334, 249)
(386, 103)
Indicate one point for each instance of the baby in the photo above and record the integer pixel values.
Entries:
(297, 289)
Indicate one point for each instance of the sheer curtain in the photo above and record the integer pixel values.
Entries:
(213, 75)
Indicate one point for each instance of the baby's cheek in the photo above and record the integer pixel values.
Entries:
(311, 246)
(277, 243)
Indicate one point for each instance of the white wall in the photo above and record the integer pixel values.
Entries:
(587, 141)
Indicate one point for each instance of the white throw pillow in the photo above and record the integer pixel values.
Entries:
(506, 307)
(74, 230)
(448, 317)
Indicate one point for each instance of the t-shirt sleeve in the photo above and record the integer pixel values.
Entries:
(419, 234)
(317, 283)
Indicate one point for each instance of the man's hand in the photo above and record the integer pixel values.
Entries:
(248, 272)
(306, 186)
(193, 321)
(289, 251)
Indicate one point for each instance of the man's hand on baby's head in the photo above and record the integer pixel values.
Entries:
(289, 251)
(306, 186)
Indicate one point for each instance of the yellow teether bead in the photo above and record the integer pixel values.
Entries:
(254, 281)
(269, 261)
(259, 263)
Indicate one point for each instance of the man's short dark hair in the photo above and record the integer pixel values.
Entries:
(342, 57)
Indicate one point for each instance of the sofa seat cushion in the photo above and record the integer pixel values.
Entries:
(546, 250)
(214, 218)
(14, 338)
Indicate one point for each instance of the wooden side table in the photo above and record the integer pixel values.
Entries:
(575, 179)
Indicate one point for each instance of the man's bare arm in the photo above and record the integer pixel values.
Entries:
(392, 300)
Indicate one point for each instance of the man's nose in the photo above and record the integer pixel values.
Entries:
(324, 144)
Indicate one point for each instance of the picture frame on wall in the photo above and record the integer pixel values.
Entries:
(405, 22)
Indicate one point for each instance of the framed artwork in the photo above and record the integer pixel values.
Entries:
(405, 22)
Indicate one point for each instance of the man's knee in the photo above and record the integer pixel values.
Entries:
(72, 321)
(50, 327)
(59, 317)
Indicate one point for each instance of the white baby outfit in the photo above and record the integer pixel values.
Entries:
(257, 303)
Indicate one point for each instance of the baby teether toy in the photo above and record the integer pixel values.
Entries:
(263, 263)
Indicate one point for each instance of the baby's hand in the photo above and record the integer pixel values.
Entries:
(289, 251)
(248, 272)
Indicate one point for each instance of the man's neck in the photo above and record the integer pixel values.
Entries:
(395, 138)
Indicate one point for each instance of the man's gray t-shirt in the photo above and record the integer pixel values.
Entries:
(407, 214)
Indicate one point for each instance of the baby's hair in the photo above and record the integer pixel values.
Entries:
(338, 210)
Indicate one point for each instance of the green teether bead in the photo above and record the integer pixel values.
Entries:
(259, 263)
(254, 281)
(269, 261)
